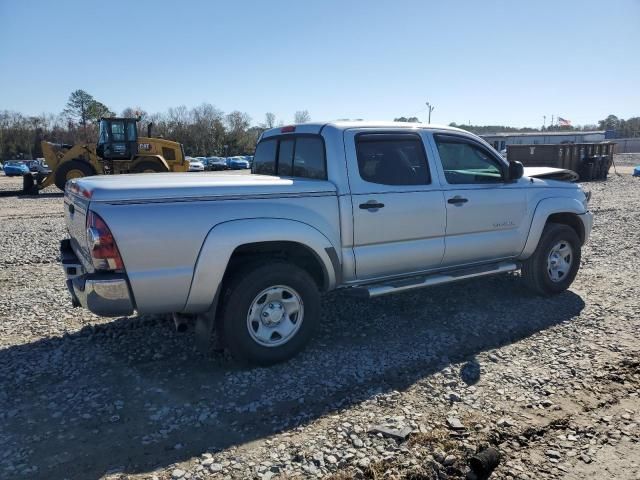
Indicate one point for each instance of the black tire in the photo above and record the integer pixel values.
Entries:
(535, 270)
(241, 292)
(149, 166)
(72, 166)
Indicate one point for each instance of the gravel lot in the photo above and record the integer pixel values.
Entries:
(553, 384)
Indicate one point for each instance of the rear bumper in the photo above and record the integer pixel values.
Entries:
(105, 294)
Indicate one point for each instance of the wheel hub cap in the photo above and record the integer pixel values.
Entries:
(559, 261)
(275, 316)
(272, 313)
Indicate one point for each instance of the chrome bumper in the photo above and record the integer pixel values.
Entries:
(105, 294)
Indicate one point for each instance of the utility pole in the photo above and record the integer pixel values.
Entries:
(544, 121)
(431, 108)
(551, 125)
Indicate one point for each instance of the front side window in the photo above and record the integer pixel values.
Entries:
(466, 163)
(291, 156)
(392, 159)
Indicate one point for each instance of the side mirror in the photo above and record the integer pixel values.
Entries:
(516, 170)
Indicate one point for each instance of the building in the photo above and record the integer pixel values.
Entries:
(501, 140)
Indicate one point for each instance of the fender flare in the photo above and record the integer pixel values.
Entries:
(224, 238)
(544, 209)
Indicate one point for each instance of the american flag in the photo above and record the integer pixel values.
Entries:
(563, 122)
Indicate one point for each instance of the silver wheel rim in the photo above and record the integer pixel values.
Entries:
(275, 316)
(559, 261)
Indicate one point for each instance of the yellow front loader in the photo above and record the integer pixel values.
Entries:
(119, 150)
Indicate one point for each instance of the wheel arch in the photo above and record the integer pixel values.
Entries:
(231, 245)
(565, 211)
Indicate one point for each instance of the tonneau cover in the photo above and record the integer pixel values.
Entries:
(184, 186)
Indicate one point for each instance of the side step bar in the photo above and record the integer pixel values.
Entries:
(402, 285)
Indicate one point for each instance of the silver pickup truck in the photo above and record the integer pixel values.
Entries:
(368, 208)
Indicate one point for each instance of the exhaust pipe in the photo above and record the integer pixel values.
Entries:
(149, 126)
(181, 322)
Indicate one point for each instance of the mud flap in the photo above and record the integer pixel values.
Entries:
(204, 327)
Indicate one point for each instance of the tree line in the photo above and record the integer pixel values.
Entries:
(622, 128)
(203, 130)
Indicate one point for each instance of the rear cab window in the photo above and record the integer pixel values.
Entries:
(291, 156)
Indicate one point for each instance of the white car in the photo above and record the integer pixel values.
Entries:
(196, 166)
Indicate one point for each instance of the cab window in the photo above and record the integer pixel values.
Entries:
(117, 131)
(392, 159)
(464, 162)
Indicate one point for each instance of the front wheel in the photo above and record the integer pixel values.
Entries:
(269, 313)
(555, 263)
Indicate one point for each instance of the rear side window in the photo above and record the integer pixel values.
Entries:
(392, 159)
(291, 156)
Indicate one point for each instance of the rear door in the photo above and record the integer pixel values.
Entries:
(486, 213)
(398, 209)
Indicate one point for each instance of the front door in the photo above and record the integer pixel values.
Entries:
(486, 213)
(398, 211)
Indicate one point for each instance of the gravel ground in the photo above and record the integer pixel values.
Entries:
(553, 384)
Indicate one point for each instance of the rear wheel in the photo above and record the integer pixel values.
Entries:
(555, 263)
(269, 313)
(70, 170)
(149, 166)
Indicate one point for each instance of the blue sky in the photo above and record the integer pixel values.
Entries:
(484, 62)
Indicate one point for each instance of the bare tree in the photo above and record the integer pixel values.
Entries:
(269, 120)
(301, 116)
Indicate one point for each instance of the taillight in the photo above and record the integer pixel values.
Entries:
(102, 246)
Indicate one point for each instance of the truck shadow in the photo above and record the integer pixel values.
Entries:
(132, 396)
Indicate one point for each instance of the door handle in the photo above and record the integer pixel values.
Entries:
(371, 205)
(457, 200)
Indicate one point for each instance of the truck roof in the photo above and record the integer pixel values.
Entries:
(316, 127)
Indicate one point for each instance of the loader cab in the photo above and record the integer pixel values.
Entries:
(118, 138)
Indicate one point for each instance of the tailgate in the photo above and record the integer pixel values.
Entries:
(75, 215)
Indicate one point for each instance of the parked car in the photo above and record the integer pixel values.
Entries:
(216, 163)
(15, 168)
(237, 163)
(367, 208)
(38, 165)
(196, 165)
